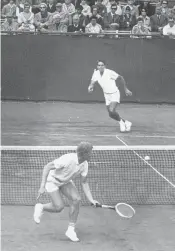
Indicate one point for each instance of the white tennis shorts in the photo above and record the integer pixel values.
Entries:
(112, 97)
(52, 187)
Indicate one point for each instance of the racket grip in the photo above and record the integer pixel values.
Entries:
(97, 205)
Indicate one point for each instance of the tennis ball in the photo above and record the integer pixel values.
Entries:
(147, 158)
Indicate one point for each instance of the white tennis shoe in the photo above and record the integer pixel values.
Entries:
(128, 125)
(70, 233)
(122, 126)
(38, 212)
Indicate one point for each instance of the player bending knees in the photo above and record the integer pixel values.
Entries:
(57, 180)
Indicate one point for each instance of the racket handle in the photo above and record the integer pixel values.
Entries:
(104, 206)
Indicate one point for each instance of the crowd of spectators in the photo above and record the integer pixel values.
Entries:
(93, 16)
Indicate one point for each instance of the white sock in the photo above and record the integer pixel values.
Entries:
(71, 227)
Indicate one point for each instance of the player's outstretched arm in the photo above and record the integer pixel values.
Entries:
(87, 191)
(46, 170)
(127, 91)
(91, 86)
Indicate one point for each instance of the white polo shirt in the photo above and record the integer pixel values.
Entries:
(106, 81)
(66, 169)
(167, 29)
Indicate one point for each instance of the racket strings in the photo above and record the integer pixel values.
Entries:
(124, 210)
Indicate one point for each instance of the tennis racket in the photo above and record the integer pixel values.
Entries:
(122, 209)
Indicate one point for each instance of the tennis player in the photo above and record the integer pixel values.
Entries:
(57, 180)
(107, 80)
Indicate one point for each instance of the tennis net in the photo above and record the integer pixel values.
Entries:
(116, 174)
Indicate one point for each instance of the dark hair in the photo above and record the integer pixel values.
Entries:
(113, 5)
(102, 61)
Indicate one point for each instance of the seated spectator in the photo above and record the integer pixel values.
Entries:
(36, 6)
(51, 7)
(146, 19)
(158, 21)
(93, 26)
(43, 19)
(60, 19)
(164, 8)
(101, 9)
(127, 20)
(134, 9)
(9, 9)
(68, 7)
(100, 20)
(169, 29)
(110, 3)
(140, 28)
(76, 27)
(86, 11)
(148, 6)
(26, 19)
(10, 24)
(83, 20)
(112, 19)
(20, 7)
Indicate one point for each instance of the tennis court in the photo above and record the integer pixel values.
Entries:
(61, 123)
(66, 124)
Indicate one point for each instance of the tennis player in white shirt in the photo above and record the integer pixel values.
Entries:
(107, 80)
(57, 180)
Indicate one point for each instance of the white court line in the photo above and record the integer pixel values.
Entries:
(173, 185)
(85, 135)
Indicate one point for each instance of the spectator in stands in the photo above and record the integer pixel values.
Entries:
(158, 21)
(169, 29)
(9, 9)
(20, 7)
(76, 26)
(146, 19)
(26, 19)
(10, 24)
(99, 18)
(109, 3)
(149, 6)
(101, 9)
(60, 19)
(86, 11)
(43, 19)
(83, 20)
(68, 7)
(36, 6)
(164, 8)
(140, 28)
(93, 26)
(51, 7)
(134, 9)
(127, 20)
(111, 21)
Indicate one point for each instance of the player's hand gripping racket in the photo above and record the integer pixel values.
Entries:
(122, 209)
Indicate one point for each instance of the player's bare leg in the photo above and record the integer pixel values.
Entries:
(70, 191)
(112, 110)
(56, 206)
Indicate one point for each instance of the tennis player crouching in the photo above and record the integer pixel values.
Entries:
(57, 181)
(106, 79)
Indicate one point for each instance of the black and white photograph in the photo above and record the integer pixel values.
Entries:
(87, 125)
